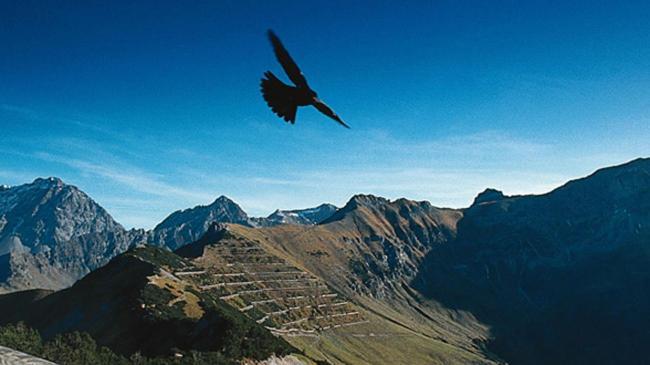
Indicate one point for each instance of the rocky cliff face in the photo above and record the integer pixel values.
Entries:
(185, 226)
(371, 245)
(52, 234)
(393, 237)
(563, 276)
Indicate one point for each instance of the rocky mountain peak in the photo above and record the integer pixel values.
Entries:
(48, 182)
(367, 199)
(488, 195)
(185, 226)
(62, 233)
(219, 207)
(50, 211)
(223, 200)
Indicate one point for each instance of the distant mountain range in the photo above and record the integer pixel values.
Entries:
(185, 226)
(562, 277)
(52, 233)
(297, 216)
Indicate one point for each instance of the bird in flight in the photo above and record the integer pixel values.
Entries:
(284, 99)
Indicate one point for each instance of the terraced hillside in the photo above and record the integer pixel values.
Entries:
(370, 250)
(284, 298)
(255, 276)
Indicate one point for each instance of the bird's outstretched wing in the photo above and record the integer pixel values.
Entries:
(288, 64)
(323, 108)
(279, 97)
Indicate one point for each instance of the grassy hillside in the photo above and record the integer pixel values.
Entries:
(340, 327)
(134, 304)
(369, 254)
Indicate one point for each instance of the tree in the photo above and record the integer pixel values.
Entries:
(22, 338)
(79, 349)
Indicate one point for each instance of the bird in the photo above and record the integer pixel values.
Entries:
(284, 99)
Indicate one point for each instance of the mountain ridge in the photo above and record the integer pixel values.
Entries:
(550, 278)
(544, 270)
(27, 260)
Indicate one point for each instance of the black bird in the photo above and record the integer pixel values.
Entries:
(283, 99)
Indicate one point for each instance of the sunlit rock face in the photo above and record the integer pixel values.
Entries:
(185, 226)
(51, 234)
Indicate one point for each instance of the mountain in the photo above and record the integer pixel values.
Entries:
(371, 250)
(228, 294)
(327, 325)
(51, 234)
(561, 277)
(370, 244)
(135, 304)
(298, 216)
(185, 226)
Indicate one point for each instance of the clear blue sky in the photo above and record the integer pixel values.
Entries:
(155, 106)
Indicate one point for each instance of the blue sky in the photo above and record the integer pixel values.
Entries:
(155, 106)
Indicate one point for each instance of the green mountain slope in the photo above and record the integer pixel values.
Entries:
(134, 304)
